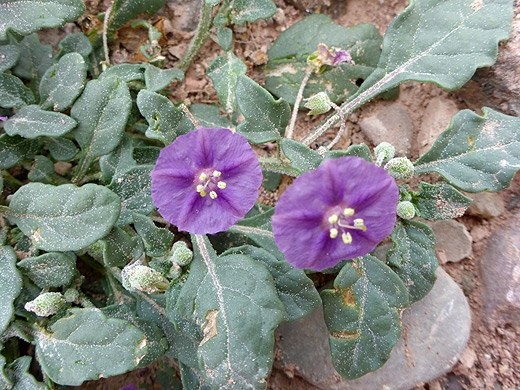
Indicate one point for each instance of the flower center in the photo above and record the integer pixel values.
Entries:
(210, 183)
(343, 223)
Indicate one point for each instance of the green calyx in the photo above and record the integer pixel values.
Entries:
(46, 304)
(384, 152)
(318, 104)
(405, 210)
(143, 278)
(400, 168)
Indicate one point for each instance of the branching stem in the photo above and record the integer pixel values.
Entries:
(297, 102)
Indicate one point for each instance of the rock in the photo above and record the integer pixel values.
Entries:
(435, 332)
(187, 14)
(486, 205)
(382, 249)
(436, 119)
(500, 271)
(453, 241)
(391, 124)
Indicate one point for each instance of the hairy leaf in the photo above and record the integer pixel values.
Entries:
(302, 158)
(31, 122)
(360, 150)
(476, 153)
(9, 57)
(118, 161)
(413, 257)
(439, 201)
(126, 72)
(27, 16)
(63, 82)
(266, 118)
(18, 372)
(157, 79)
(42, 171)
(10, 285)
(87, 345)
(157, 241)
(50, 269)
(119, 248)
(13, 93)
(75, 43)
(34, 61)
(61, 149)
(251, 10)
(64, 218)
(13, 149)
(362, 316)
(234, 300)
(125, 10)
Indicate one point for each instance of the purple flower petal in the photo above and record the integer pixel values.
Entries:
(3, 118)
(342, 56)
(303, 223)
(220, 156)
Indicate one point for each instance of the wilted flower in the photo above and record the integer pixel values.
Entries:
(206, 180)
(325, 56)
(340, 211)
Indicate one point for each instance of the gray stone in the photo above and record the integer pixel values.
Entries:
(453, 241)
(436, 119)
(382, 249)
(486, 205)
(435, 333)
(390, 124)
(500, 270)
(187, 14)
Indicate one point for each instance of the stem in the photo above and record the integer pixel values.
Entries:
(190, 116)
(338, 136)
(297, 102)
(11, 179)
(105, 33)
(83, 165)
(202, 33)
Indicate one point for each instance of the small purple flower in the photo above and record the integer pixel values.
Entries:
(3, 118)
(206, 180)
(131, 387)
(333, 56)
(340, 211)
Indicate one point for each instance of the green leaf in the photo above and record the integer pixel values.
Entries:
(162, 116)
(64, 218)
(61, 149)
(155, 338)
(42, 171)
(126, 72)
(413, 257)
(271, 180)
(34, 61)
(50, 269)
(18, 372)
(302, 157)
(134, 189)
(119, 160)
(13, 93)
(63, 82)
(476, 153)
(9, 57)
(10, 285)
(5, 382)
(101, 111)
(208, 116)
(27, 16)
(295, 289)
(157, 241)
(88, 345)
(362, 316)
(31, 122)
(225, 38)
(443, 43)
(119, 248)
(224, 72)
(288, 58)
(361, 150)
(75, 43)
(157, 79)
(125, 10)
(234, 300)
(191, 379)
(266, 118)
(252, 10)
(146, 155)
(439, 201)
(13, 149)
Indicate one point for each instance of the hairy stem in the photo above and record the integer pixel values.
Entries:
(338, 136)
(105, 34)
(274, 165)
(202, 33)
(297, 102)
(190, 116)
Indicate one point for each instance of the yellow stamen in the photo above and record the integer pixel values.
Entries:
(200, 188)
(333, 233)
(221, 185)
(347, 238)
(216, 173)
(348, 212)
(203, 176)
(203, 194)
(213, 194)
(359, 223)
(333, 219)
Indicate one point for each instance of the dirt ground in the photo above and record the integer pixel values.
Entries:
(492, 359)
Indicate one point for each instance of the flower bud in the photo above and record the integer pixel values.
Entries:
(384, 152)
(143, 278)
(71, 295)
(405, 210)
(400, 168)
(46, 304)
(318, 104)
(181, 254)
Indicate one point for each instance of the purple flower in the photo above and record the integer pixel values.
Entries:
(206, 180)
(333, 56)
(3, 118)
(340, 211)
(131, 387)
